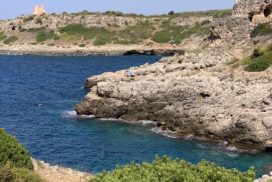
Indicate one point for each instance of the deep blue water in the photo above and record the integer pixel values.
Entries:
(36, 92)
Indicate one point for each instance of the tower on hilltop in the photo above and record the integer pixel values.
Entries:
(39, 10)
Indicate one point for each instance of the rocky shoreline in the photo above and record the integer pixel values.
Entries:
(51, 173)
(201, 98)
(108, 50)
(196, 93)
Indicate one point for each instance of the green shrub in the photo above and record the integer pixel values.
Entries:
(171, 13)
(82, 45)
(162, 36)
(175, 34)
(39, 21)
(25, 175)
(257, 52)
(79, 30)
(11, 150)
(8, 173)
(43, 36)
(262, 29)
(29, 18)
(167, 170)
(257, 65)
(2, 36)
(36, 29)
(205, 22)
(10, 40)
(135, 34)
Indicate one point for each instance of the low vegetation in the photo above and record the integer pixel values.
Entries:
(165, 169)
(9, 173)
(15, 161)
(10, 40)
(145, 30)
(174, 34)
(260, 60)
(2, 36)
(29, 18)
(11, 150)
(262, 29)
(44, 35)
(213, 13)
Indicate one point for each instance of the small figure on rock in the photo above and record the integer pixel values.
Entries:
(129, 73)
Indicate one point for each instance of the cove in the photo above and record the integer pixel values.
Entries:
(37, 97)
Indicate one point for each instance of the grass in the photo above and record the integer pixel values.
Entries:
(165, 170)
(102, 36)
(43, 36)
(260, 60)
(2, 36)
(78, 30)
(36, 29)
(262, 29)
(134, 34)
(10, 40)
(9, 173)
(174, 34)
(260, 63)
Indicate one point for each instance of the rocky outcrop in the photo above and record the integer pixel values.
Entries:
(162, 52)
(55, 173)
(194, 93)
(236, 30)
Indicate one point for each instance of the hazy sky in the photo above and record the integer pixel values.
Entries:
(13, 8)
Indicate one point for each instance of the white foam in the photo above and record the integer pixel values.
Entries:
(232, 148)
(233, 155)
(166, 133)
(189, 137)
(73, 115)
(109, 119)
(147, 122)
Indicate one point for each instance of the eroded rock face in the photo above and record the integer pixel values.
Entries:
(237, 29)
(195, 93)
(190, 95)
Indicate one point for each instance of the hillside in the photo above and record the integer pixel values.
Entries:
(85, 29)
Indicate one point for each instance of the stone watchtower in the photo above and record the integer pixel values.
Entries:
(39, 10)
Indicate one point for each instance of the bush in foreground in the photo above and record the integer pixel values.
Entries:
(165, 170)
(8, 173)
(14, 152)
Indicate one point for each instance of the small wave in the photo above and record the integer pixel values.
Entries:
(189, 137)
(109, 119)
(73, 115)
(232, 148)
(166, 133)
(233, 155)
(147, 122)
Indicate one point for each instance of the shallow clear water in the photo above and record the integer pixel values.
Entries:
(36, 92)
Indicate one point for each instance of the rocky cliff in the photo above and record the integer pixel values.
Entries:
(196, 93)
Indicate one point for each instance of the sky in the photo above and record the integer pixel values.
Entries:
(14, 8)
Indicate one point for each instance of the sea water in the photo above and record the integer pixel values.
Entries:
(37, 99)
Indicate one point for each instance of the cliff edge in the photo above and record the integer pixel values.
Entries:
(197, 93)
